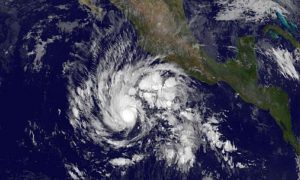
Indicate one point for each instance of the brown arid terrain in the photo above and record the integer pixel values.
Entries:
(163, 30)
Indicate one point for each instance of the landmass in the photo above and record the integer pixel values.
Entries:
(96, 10)
(281, 32)
(163, 30)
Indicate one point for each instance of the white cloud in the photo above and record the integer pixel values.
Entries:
(248, 10)
(285, 61)
(121, 161)
(74, 172)
(298, 166)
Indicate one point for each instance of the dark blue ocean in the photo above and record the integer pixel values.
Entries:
(37, 139)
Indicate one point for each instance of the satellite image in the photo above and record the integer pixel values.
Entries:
(150, 89)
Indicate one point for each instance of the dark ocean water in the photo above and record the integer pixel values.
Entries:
(226, 33)
(257, 134)
(38, 140)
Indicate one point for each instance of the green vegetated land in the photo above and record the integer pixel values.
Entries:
(163, 30)
(280, 32)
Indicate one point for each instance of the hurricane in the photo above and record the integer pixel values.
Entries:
(114, 89)
(122, 101)
(132, 105)
(139, 103)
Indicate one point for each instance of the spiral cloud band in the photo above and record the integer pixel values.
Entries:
(141, 103)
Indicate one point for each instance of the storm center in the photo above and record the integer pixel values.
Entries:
(129, 115)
